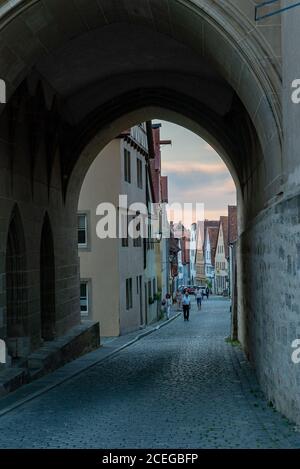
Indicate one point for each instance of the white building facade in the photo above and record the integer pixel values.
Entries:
(193, 253)
(221, 262)
(118, 288)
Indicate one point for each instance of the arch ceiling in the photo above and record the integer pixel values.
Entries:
(99, 60)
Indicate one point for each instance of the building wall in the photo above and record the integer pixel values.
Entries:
(271, 250)
(150, 276)
(99, 262)
(193, 252)
(106, 263)
(269, 272)
(151, 273)
(207, 256)
(165, 266)
(221, 264)
(131, 258)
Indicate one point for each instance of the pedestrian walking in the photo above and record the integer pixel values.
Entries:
(164, 307)
(199, 298)
(207, 292)
(186, 303)
(168, 305)
(179, 300)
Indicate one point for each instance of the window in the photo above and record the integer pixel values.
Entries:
(137, 242)
(124, 230)
(154, 287)
(82, 230)
(84, 299)
(128, 293)
(149, 292)
(150, 243)
(139, 171)
(127, 166)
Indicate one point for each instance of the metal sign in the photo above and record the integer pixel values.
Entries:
(2, 351)
(2, 91)
(273, 8)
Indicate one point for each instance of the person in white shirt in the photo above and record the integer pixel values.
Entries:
(199, 298)
(186, 303)
(168, 305)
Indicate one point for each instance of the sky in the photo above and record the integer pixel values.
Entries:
(196, 174)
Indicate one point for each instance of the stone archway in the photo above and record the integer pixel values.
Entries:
(47, 282)
(99, 67)
(16, 289)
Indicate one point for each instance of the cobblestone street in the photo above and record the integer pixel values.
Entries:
(180, 387)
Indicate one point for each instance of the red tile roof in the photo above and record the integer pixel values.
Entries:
(213, 232)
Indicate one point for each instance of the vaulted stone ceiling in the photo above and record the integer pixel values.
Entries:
(96, 60)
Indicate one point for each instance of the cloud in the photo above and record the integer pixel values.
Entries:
(196, 172)
(208, 186)
(184, 167)
(215, 194)
(226, 187)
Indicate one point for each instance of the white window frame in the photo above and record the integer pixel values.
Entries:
(129, 293)
(85, 314)
(127, 166)
(85, 215)
(139, 173)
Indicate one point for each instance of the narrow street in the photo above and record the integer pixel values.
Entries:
(180, 387)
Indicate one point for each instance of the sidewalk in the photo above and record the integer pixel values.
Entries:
(109, 347)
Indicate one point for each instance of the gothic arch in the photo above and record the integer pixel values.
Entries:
(47, 281)
(16, 287)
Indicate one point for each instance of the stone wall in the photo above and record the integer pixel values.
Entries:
(269, 306)
(29, 186)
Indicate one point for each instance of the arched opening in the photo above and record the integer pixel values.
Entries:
(138, 275)
(47, 282)
(105, 67)
(16, 288)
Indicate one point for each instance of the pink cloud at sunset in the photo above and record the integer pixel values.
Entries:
(191, 166)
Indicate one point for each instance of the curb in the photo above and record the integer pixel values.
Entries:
(44, 390)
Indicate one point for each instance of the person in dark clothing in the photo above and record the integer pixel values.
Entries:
(186, 304)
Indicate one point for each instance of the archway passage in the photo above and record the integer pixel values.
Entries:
(47, 282)
(91, 71)
(16, 288)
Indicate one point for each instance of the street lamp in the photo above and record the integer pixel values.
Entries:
(158, 237)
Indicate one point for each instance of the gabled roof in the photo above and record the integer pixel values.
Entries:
(213, 236)
(209, 224)
(212, 233)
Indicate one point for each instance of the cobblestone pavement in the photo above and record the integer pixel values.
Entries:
(182, 386)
